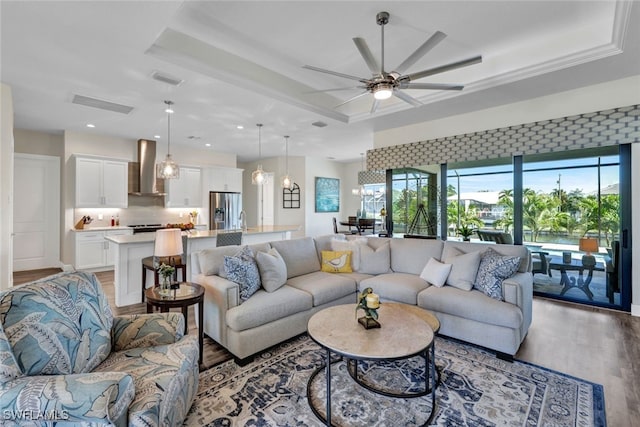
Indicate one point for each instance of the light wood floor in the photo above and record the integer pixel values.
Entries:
(595, 344)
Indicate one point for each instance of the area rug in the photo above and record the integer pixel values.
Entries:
(475, 389)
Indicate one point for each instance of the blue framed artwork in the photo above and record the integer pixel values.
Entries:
(327, 194)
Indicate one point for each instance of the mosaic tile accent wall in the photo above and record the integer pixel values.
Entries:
(602, 128)
(371, 177)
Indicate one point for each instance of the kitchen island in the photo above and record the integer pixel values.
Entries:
(131, 249)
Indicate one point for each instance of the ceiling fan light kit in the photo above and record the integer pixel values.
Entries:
(383, 85)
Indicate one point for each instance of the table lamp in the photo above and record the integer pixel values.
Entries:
(588, 245)
(168, 244)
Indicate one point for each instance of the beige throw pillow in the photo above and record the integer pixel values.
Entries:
(351, 245)
(374, 261)
(273, 270)
(464, 268)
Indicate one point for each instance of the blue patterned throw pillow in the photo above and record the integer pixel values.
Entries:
(493, 269)
(243, 270)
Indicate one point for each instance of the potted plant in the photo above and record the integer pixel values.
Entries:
(166, 271)
(465, 231)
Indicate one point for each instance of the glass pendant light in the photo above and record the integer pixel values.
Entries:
(258, 176)
(287, 181)
(168, 169)
(359, 191)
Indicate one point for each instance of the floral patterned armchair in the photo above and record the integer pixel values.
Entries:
(64, 357)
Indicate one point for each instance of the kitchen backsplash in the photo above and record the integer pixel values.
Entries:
(138, 215)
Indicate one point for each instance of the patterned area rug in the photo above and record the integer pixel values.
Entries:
(476, 389)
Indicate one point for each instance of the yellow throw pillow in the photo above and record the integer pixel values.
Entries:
(336, 261)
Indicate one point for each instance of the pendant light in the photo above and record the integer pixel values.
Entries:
(259, 177)
(168, 169)
(287, 181)
(359, 191)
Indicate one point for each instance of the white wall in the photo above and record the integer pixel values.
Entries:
(350, 203)
(618, 93)
(320, 223)
(6, 186)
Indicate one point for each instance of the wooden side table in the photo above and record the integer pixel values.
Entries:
(187, 294)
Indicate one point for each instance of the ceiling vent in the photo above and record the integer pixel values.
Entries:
(319, 124)
(88, 101)
(166, 78)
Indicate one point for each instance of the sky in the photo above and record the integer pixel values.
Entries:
(546, 181)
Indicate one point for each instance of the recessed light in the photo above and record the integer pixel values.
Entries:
(239, 127)
(156, 136)
(90, 125)
(207, 145)
(331, 158)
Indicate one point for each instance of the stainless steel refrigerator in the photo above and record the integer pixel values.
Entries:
(224, 210)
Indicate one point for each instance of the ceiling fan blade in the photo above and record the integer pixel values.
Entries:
(364, 50)
(374, 106)
(432, 86)
(336, 89)
(335, 73)
(442, 69)
(421, 51)
(352, 99)
(407, 98)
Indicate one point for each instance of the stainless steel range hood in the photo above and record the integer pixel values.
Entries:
(142, 174)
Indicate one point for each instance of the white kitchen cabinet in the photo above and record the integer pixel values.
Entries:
(224, 179)
(93, 251)
(100, 182)
(186, 191)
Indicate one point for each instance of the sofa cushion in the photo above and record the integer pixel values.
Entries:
(493, 269)
(273, 270)
(464, 268)
(211, 261)
(400, 287)
(264, 307)
(508, 250)
(336, 262)
(357, 277)
(323, 243)
(435, 272)
(473, 305)
(299, 254)
(410, 255)
(352, 246)
(243, 270)
(375, 260)
(325, 287)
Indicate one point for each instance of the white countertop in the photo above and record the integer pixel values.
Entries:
(118, 227)
(200, 234)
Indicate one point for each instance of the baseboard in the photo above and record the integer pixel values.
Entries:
(635, 310)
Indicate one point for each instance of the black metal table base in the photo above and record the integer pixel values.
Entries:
(431, 381)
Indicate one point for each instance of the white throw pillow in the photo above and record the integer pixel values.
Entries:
(435, 272)
(273, 270)
(464, 268)
(348, 245)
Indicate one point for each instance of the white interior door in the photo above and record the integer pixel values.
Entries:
(36, 212)
(266, 203)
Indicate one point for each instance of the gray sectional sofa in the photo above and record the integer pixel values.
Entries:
(391, 267)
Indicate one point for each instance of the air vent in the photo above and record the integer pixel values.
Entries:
(166, 78)
(319, 124)
(87, 101)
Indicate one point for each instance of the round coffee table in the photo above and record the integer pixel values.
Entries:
(187, 294)
(404, 334)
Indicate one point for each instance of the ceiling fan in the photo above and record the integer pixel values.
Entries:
(384, 84)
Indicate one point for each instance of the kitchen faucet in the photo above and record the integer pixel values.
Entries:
(243, 220)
